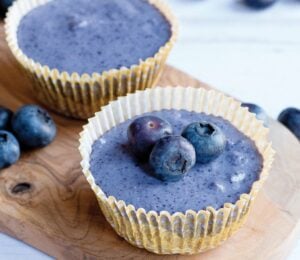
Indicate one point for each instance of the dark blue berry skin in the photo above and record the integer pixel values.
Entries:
(260, 113)
(259, 4)
(5, 118)
(33, 126)
(144, 132)
(208, 140)
(290, 117)
(171, 158)
(9, 149)
(4, 4)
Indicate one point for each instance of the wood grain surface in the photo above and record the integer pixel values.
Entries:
(46, 202)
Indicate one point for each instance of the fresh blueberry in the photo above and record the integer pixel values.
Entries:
(4, 4)
(207, 138)
(260, 4)
(144, 132)
(9, 149)
(33, 126)
(260, 113)
(5, 118)
(290, 117)
(171, 158)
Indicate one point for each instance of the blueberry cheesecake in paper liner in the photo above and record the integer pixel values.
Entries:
(202, 209)
(81, 54)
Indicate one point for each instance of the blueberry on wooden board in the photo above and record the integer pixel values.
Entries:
(5, 118)
(33, 126)
(260, 113)
(290, 117)
(4, 4)
(9, 149)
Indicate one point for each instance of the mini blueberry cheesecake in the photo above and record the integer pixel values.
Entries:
(175, 170)
(82, 54)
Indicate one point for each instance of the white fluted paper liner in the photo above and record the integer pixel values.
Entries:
(187, 232)
(80, 96)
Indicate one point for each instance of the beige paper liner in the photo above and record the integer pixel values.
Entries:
(180, 233)
(80, 96)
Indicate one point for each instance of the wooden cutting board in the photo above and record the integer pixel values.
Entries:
(46, 202)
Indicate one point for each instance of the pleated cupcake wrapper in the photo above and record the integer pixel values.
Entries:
(180, 233)
(80, 96)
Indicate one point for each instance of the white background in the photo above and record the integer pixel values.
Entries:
(252, 55)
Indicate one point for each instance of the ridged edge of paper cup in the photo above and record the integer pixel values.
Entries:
(190, 232)
(80, 96)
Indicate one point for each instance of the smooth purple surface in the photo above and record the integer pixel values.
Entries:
(87, 36)
(118, 173)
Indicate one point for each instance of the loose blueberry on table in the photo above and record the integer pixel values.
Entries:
(4, 4)
(5, 118)
(259, 4)
(9, 149)
(33, 126)
(171, 158)
(207, 138)
(260, 113)
(290, 117)
(144, 132)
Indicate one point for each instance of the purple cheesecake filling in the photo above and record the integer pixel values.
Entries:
(87, 36)
(223, 180)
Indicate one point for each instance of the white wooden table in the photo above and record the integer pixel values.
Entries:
(252, 55)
